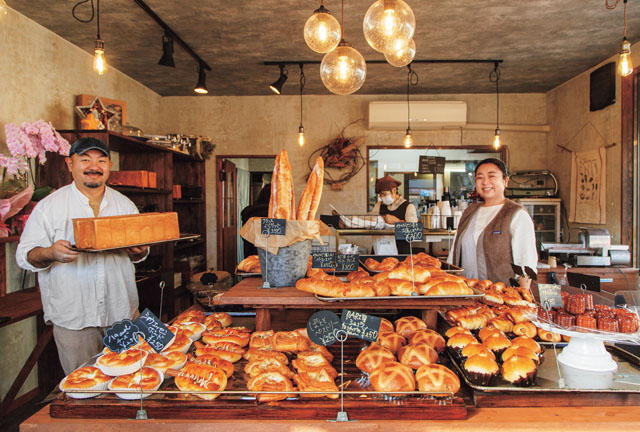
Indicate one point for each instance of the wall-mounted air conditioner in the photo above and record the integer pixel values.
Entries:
(424, 115)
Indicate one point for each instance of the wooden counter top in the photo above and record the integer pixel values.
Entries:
(479, 419)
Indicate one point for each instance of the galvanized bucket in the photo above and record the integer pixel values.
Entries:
(289, 265)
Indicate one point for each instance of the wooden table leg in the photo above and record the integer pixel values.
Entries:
(263, 319)
(430, 317)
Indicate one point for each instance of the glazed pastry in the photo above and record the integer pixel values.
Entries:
(486, 332)
(316, 381)
(408, 325)
(146, 379)
(312, 361)
(162, 362)
(481, 370)
(85, 378)
(290, 341)
(497, 344)
(190, 316)
(460, 340)
(198, 377)
(372, 357)
(392, 376)
(271, 381)
(392, 341)
(525, 329)
(261, 365)
(519, 371)
(520, 351)
(193, 330)
(222, 317)
(253, 353)
(181, 342)
(528, 343)
(225, 350)
(502, 324)
(430, 337)
(472, 322)
(417, 355)
(127, 362)
(435, 378)
(212, 324)
(225, 335)
(477, 349)
(262, 339)
(455, 330)
(212, 360)
(548, 336)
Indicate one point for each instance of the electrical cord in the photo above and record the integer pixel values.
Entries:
(73, 11)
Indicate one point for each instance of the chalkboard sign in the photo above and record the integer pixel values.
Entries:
(323, 260)
(322, 327)
(347, 262)
(531, 273)
(270, 226)
(155, 333)
(550, 293)
(408, 231)
(431, 165)
(121, 336)
(517, 269)
(360, 325)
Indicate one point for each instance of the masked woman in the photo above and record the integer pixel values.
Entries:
(494, 233)
(393, 208)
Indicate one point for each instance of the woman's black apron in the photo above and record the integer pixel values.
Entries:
(400, 213)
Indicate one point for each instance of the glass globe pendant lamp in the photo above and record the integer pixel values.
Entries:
(343, 70)
(403, 56)
(389, 25)
(322, 31)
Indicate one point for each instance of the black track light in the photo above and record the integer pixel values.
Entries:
(279, 83)
(167, 51)
(201, 86)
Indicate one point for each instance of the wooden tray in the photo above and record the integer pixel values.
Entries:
(234, 406)
(181, 238)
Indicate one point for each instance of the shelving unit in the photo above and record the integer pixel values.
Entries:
(171, 168)
(545, 213)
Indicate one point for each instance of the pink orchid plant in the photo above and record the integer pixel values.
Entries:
(28, 145)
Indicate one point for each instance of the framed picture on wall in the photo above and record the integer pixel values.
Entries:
(94, 112)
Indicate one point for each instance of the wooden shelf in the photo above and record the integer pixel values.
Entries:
(132, 189)
(189, 244)
(10, 239)
(188, 201)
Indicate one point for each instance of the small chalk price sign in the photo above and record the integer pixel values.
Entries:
(409, 231)
(550, 294)
(347, 262)
(323, 260)
(121, 336)
(322, 327)
(155, 332)
(360, 325)
(270, 226)
(517, 269)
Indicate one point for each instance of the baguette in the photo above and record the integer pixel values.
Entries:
(310, 199)
(282, 202)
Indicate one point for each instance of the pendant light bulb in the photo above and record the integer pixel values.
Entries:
(408, 139)
(625, 67)
(402, 57)
(301, 139)
(343, 70)
(496, 140)
(99, 62)
(389, 25)
(322, 31)
(201, 85)
(4, 9)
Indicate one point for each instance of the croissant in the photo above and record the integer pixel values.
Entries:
(437, 378)
(471, 322)
(501, 323)
(387, 264)
(392, 376)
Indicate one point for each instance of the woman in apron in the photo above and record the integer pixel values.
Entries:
(393, 208)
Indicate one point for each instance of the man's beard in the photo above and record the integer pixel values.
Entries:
(93, 185)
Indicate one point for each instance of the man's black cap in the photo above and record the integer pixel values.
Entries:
(83, 145)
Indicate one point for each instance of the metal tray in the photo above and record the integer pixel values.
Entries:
(547, 377)
(449, 268)
(477, 294)
(182, 237)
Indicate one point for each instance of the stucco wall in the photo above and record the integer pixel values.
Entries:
(263, 125)
(40, 75)
(575, 127)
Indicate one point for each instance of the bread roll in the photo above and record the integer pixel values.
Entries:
(373, 357)
(392, 376)
(271, 381)
(312, 193)
(437, 378)
(391, 341)
(406, 326)
(417, 355)
(430, 337)
(198, 377)
(449, 288)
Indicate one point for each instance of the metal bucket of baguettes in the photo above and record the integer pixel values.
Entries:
(289, 264)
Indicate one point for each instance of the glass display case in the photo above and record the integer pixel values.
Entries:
(545, 213)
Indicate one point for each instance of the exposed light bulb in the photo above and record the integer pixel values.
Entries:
(301, 139)
(4, 9)
(624, 64)
(322, 31)
(343, 70)
(496, 140)
(389, 25)
(403, 56)
(408, 139)
(99, 62)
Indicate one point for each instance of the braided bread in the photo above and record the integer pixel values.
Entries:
(392, 376)
(437, 378)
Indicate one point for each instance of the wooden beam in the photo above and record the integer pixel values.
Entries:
(627, 230)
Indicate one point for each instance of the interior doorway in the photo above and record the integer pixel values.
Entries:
(240, 181)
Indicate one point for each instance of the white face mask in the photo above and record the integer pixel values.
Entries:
(387, 200)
